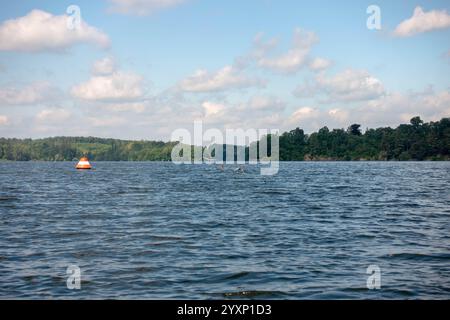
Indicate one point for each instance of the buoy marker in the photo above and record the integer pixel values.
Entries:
(83, 164)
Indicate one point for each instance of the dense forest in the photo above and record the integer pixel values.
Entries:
(73, 148)
(414, 141)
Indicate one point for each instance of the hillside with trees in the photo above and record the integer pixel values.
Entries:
(414, 141)
(71, 148)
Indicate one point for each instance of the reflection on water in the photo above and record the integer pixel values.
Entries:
(156, 230)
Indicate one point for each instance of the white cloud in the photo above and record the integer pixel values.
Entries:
(233, 76)
(212, 108)
(117, 86)
(294, 58)
(264, 103)
(42, 31)
(318, 64)
(348, 85)
(26, 95)
(257, 112)
(3, 120)
(261, 47)
(390, 109)
(224, 79)
(305, 113)
(107, 122)
(351, 85)
(422, 21)
(341, 115)
(305, 117)
(142, 7)
(387, 110)
(308, 89)
(104, 66)
(53, 115)
(136, 107)
(395, 108)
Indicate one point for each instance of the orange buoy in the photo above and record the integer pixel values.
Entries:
(83, 164)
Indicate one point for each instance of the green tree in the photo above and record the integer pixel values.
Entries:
(354, 129)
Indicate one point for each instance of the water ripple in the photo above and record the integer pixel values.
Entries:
(157, 230)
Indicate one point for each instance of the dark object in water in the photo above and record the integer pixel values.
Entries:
(239, 170)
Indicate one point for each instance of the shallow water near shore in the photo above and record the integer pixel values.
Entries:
(155, 230)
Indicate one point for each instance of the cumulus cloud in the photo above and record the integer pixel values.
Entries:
(304, 114)
(142, 7)
(3, 120)
(312, 118)
(264, 103)
(290, 61)
(116, 86)
(395, 108)
(390, 109)
(25, 95)
(318, 64)
(262, 56)
(257, 112)
(261, 46)
(53, 115)
(109, 84)
(226, 78)
(348, 85)
(42, 31)
(104, 66)
(136, 107)
(339, 114)
(351, 85)
(107, 122)
(212, 109)
(422, 21)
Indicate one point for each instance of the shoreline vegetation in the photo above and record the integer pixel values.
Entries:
(416, 141)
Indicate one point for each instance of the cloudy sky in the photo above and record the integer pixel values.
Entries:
(139, 69)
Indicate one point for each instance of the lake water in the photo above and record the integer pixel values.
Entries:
(157, 230)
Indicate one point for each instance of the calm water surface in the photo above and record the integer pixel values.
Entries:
(157, 230)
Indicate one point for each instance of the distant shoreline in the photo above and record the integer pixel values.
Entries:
(281, 161)
(416, 141)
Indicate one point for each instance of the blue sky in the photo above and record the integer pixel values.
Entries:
(373, 77)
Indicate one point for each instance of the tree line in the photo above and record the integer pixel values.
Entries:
(414, 141)
(73, 148)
